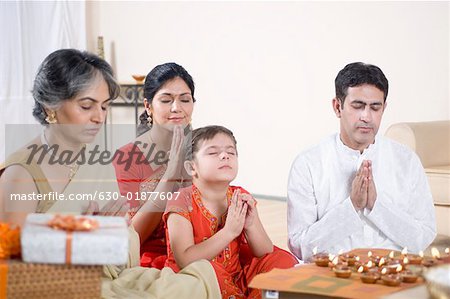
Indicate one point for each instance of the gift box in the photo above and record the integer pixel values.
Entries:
(77, 240)
(19, 280)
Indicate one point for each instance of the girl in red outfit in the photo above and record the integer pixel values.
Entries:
(213, 220)
(151, 163)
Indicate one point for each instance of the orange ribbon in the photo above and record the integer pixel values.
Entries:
(70, 223)
(3, 278)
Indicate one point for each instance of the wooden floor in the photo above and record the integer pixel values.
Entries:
(274, 218)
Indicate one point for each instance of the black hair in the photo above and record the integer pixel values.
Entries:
(358, 73)
(157, 77)
(203, 134)
(66, 73)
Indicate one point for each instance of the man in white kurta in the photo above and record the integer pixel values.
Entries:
(357, 189)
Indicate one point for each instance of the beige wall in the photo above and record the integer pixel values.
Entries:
(266, 70)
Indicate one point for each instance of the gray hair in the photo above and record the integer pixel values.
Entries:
(66, 73)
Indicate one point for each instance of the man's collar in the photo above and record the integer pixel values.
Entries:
(349, 150)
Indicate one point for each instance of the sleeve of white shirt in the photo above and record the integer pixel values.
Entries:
(414, 226)
(305, 229)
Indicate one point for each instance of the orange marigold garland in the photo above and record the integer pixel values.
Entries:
(9, 241)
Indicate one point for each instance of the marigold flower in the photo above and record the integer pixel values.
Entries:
(9, 241)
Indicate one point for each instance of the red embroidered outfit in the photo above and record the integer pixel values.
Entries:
(131, 171)
(233, 274)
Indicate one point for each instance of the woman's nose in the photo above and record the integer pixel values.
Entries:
(175, 106)
(99, 116)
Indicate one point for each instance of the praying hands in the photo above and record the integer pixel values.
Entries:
(364, 192)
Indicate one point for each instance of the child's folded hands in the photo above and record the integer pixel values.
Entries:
(236, 215)
(251, 209)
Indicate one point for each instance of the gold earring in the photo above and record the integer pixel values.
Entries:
(51, 118)
(149, 118)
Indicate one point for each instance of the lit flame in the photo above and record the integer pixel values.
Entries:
(331, 256)
(315, 250)
(391, 254)
(369, 254)
(447, 250)
(357, 258)
(399, 268)
(370, 264)
(381, 263)
(405, 251)
(421, 253)
(384, 271)
(435, 253)
(335, 261)
(405, 260)
(360, 269)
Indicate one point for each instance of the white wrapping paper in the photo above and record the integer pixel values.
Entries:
(107, 245)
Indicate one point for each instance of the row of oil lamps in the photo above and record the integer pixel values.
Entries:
(389, 269)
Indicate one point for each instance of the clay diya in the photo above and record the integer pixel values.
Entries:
(342, 271)
(409, 276)
(349, 258)
(435, 253)
(333, 261)
(395, 262)
(429, 262)
(321, 259)
(370, 276)
(381, 262)
(366, 267)
(391, 269)
(392, 280)
(415, 259)
(376, 259)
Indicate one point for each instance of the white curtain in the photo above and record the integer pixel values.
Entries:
(29, 31)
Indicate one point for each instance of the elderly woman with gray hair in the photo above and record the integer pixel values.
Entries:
(72, 92)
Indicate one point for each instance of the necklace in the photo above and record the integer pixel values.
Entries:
(73, 168)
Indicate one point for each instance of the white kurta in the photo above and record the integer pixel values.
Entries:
(320, 212)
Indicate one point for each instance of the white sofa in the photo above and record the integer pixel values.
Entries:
(431, 142)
